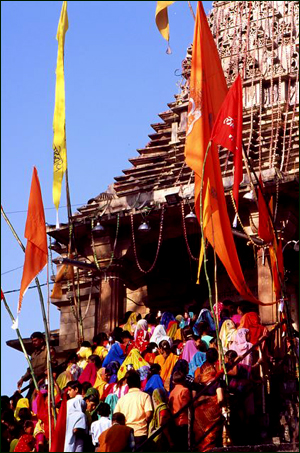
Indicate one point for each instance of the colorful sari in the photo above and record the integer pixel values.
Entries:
(251, 321)
(227, 333)
(172, 329)
(101, 351)
(131, 323)
(100, 383)
(141, 335)
(161, 415)
(134, 358)
(240, 345)
(115, 355)
(167, 366)
(207, 412)
(189, 350)
(89, 374)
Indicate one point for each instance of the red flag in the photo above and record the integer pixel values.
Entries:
(227, 130)
(2, 295)
(265, 228)
(36, 253)
(207, 92)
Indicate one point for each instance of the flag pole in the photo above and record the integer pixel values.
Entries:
(43, 313)
(205, 268)
(191, 9)
(21, 342)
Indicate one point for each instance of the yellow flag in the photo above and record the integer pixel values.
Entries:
(161, 18)
(59, 119)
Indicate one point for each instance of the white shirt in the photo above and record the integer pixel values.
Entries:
(98, 427)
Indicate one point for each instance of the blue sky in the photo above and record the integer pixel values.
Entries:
(118, 78)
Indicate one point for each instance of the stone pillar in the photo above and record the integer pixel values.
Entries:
(269, 313)
(111, 303)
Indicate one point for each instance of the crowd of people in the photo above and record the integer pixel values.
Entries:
(116, 392)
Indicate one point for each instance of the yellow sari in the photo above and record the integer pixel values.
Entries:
(134, 358)
(100, 382)
(101, 351)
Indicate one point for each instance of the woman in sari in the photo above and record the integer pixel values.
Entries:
(166, 318)
(166, 359)
(115, 354)
(159, 334)
(141, 335)
(208, 413)
(134, 359)
(100, 341)
(101, 381)
(241, 345)
(189, 350)
(163, 441)
(227, 333)
(154, 380)
(131, 323)
(251, 321)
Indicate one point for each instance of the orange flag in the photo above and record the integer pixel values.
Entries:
(207, 93)
(36, 253)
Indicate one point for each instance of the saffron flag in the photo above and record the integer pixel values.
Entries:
(207, 93)
(162, 20)
(59, 119)
(36, 253)
(227, 131)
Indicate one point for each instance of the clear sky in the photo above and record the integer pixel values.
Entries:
(118, 78)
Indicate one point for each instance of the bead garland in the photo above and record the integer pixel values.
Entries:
(185, 234)
(158, 244)
(97, 262)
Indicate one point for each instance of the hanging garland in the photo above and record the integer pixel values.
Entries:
(185, 234)
(158, 245)
(97, 262)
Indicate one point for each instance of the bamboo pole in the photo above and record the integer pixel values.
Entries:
(43, 315)
(191, 9)
(205, 268)
(21, 343)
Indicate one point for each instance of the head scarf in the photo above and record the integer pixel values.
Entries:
(113, 368)
(180, 365)
(227, 333)
(158, 335)
(141, 325)
(251, 321)
(83, 354)
(134, 358)
(197, 361)
(89, 374)
(204, 316)
(100, 382)
(181, 322)
(172, 329)
(189, 350)
(159, 396)
(25, 443)
(154, 382)
(115, 355)
(166, 318)
(131, 323)
(91, 391)
(22, 403)
(241, 345)
(220, 308)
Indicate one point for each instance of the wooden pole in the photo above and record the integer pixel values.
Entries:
(43, 314)
(21, 342)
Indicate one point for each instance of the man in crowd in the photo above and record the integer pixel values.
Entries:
(136, 406)
(38, 359)
(118, 437)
